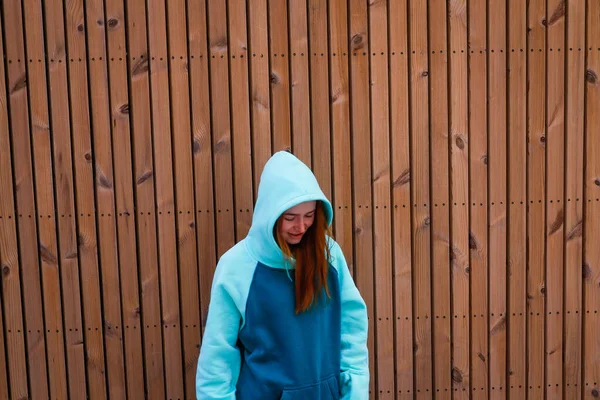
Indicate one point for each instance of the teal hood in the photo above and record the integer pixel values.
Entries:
(285, 182)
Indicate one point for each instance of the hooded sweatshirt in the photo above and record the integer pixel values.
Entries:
(255, 346)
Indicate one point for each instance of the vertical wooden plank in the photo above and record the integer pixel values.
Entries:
(319, 94)
(555, 139)
(42, 153)
(591, 258)
(440, 204)
(478, 184)
(106, 212)
(300, 82)
(126, 221)
(221, 129)
(144, 175)
(202, 145)
(497, 193)
(65, 201)
(401, 185)
(420, 197)
(459, 154)
(165, 196)
(340, 126)
(382, 218)
(84, 186)
(536, 121)
(517, 196)
(13, 360)
(361, 169)
(573, 232)
(260, 86)
(8, 238)
(3, 365)
(240, 113)
(279, 73)
(184, 191)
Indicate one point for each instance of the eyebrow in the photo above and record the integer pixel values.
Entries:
(292, 214)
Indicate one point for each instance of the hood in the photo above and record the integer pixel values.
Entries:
(285, 182)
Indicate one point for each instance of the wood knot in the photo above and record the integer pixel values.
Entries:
(457, 375)
(587, 271)
(543, 290)
(467, 270)
(403, 179)
(80, 28)
(140, 67)
(484, 159)
(100, 22)
(481, 356)
(543, 139)
(196, 145)
(87, 156)
(472, 241)
(113, 22)
(20, 84)
(144, 177)
(358, 41)
(460, 143)
(425, 73)
(275, 79)
(591, 77)
(124, 109)
(5, 270)
(221, 146)
(595, 392)
(597, 182)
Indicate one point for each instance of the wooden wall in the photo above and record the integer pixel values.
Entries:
(459, 142)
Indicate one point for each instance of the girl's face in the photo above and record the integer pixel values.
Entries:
(294, 223)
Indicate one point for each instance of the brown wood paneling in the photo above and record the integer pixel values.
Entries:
(517, 197)
(382, 217)
(497, 128)
(15, 272)
(165, 197)
(441, 239)
(361, 162)
(43, 164)
(456, 141)
(301, 83)
(401, 196)
(144, 180)
(87, 239)
(420, 197)
(573, 232)
(591, 196)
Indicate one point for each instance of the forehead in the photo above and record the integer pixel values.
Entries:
(302, 208)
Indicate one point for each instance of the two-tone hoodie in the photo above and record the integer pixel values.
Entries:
(255, 346)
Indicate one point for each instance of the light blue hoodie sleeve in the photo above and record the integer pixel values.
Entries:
(354, 364)
(220, 359)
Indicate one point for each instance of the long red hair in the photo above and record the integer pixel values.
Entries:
(312, 260)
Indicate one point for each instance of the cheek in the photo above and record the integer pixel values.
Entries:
(285, 227)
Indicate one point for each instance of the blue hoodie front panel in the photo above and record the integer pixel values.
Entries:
(284, 351)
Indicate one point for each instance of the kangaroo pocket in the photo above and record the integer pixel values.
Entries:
(327, 389)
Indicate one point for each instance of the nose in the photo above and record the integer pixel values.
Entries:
(302, 225)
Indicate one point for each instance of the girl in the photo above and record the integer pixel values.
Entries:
(285, 319)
